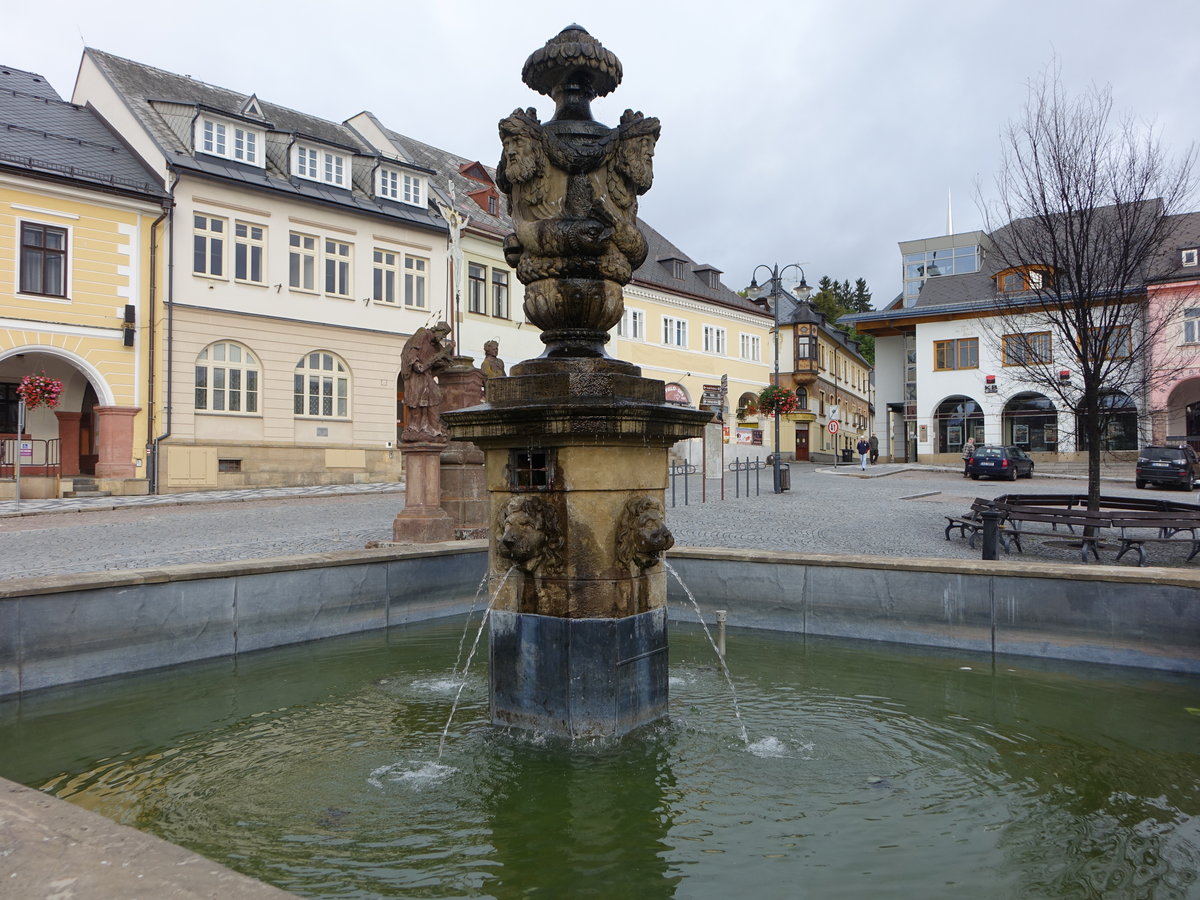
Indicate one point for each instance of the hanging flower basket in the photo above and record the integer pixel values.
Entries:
(774, 400)
(39, 390)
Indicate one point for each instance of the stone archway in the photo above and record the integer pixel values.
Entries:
(1182, 415)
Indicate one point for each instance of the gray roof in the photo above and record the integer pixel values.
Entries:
(1184, 235)
(165, 104)
(658, 271)
(802, 312)
(43, 135)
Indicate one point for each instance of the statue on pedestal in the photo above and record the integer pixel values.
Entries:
(492, 365)
(428, 352)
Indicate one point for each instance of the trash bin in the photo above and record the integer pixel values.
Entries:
(785, 478)
(847, 455)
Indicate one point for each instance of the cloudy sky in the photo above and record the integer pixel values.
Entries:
(793, 130)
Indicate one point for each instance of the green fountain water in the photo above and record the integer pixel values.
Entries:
(870, 771)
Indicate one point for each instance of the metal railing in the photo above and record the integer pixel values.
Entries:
(37, 456)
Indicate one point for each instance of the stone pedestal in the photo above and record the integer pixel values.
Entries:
(576, 476)
(114, 429)
(422, 521)
(463, 484)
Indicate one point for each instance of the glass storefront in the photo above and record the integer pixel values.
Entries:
(1030, 421)
(955, 420)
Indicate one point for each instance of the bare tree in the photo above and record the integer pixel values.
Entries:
(1086, 205)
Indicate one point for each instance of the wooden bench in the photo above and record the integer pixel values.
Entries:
(1090, 524)
(972, 523)
(1140, 528)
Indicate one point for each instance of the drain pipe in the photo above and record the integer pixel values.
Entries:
(152, 460)
(721, 616)
(170, 349)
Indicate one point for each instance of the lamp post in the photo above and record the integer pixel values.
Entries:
(775, 292)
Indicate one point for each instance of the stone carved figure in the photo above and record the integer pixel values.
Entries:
(492, 365)
(572, 186)
(428, 352)
(530, 535)
(642, 534)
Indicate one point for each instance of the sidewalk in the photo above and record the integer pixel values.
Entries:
(90, 504)
(1122, 472)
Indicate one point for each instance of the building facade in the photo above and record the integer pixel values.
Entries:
(81, 236)
(300, 260)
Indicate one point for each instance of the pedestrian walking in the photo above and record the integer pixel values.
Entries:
(968, 452)
(874, 449)
(864, 452)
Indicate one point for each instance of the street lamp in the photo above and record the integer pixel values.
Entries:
(775, 292)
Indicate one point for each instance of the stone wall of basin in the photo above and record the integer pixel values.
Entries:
(67, 629)
(70, 628)
(1148, 618)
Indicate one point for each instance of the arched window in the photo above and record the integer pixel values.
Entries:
(1119, 430)
(1030, 421)
(322, 386)
(956, 419)
(802, 398)
(227, 378)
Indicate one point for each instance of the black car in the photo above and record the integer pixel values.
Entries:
(1167, 465)
(995, 461)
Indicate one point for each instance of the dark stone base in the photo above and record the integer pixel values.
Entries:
(578, 678)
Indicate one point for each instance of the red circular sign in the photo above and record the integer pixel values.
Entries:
(833, 427)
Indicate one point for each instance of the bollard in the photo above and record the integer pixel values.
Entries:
(721, 632)
(991, 533)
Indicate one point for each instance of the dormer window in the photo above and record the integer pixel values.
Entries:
(402, 186)
(1190, 257)
(1023, 280)
(229, 141)
(679, 269)
(494, 207)
(317, 164)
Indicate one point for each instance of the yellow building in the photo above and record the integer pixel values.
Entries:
(80, 222)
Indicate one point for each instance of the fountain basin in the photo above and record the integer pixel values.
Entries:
(871, 769)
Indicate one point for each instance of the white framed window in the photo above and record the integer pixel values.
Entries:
(1190, 257)
(307, 162)
(208, 245)
(500, 293)
(229, 141)
(714, 340)
(476, 288)
(245, 145)
(302, 261)
(415, 268)
(43, 260)
(402, 186)
(213, 138)
(632, 325)
(321, 386)
(249, 252)
(1191, 325)
(337, 268)
(386, 276)
(227, 379)
(675, 331)
(751, 348)
(317, 164)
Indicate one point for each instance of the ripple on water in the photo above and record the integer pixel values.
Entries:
(413, 774)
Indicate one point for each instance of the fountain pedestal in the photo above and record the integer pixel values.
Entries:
(577, 470)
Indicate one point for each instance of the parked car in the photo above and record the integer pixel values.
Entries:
(1167, 465)
(996, 461)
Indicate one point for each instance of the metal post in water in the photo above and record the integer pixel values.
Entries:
(721, 615)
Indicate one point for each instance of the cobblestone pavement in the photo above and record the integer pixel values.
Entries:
(889, 511)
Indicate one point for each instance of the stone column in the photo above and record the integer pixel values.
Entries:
(68, 442)
(422, 521)
(464, 494)
(115, 440)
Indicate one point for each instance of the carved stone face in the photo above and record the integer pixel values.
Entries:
(522, 538)
(644, 535)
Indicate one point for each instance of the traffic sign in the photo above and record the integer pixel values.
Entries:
(833, 426)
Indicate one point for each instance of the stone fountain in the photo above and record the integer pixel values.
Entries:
(576, 441)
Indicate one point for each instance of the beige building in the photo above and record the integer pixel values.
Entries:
(300, 261)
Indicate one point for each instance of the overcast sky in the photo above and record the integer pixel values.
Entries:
(792, 131)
